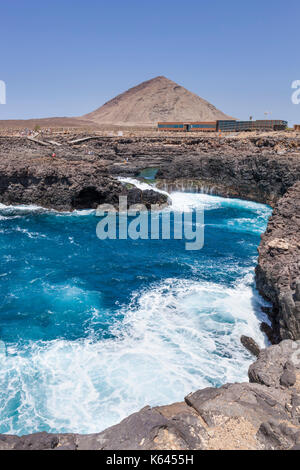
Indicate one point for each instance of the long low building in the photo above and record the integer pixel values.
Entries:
(187, 126)
(223, 126)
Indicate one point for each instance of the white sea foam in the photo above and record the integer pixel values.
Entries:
(190, 201)
(21, 208)
(180, 201)
(30, 234)
(141, 184)
(184, 201)
(174, 338)
(14, 211)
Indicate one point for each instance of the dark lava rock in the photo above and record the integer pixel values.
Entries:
(227, 166)
(250, 345)
(268, 331)
(278, 436)
(275, 362)
(288, 377)
(278, 270)
(146, 197)
(71, 180)
(253, 402)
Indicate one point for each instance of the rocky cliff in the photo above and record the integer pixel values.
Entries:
(278, 269)
(256, 168)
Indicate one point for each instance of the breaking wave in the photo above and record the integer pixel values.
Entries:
(92, 332)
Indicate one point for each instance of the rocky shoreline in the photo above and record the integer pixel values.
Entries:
(263, 414)
(254, 168)
(278, 269)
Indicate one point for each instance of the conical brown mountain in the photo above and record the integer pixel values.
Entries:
(158, 99)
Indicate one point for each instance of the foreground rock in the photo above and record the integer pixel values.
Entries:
(263, 414)
(250, 345)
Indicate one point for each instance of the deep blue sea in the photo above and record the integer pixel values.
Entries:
(92, 330)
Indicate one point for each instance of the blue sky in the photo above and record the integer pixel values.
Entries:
(67, 57)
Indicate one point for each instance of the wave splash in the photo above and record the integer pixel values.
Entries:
(174, 336)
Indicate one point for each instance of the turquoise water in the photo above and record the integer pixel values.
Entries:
(149, 174)
(94, 330)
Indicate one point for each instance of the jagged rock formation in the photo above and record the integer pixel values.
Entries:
(278, 270)
(250, 345)
(159, 99)
(33, 176)
(227, 166)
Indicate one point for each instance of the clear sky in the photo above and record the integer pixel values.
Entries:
(68, 57)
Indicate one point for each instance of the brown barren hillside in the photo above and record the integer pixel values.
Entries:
(45, 122)
(159, 99)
